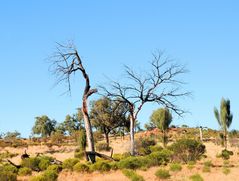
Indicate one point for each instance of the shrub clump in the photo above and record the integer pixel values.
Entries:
(56, 168)
(131, 163)
(159, 158)
(24, 171)
(225, 154)
(69, 163)
(175, 167)
(8, 176)
(32, 163)
(162, 174)
(196, 177)
(142, 146)
(48, 175)
(101, 166)
(81, 167)
(132, 175)
(186, 150)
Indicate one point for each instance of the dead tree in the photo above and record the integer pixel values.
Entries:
(66, 63)
(160, 85)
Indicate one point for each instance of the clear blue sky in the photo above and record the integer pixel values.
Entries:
(203, 34)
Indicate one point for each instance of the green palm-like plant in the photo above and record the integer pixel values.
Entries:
(224, 118)
(162, 118)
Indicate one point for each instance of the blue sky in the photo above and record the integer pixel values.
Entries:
(202, 34)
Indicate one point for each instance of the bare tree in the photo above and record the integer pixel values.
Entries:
(66, 63)
(161, 85)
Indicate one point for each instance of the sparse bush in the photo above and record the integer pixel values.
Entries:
(196, 177)
(102, 147)
(208, 163)
(24, 171)
(9, 168)
(132, 175)
(48, 175)
(226, 171)
(187, 150)
(79, 154)
(162, 174)
(8, 176)
(69, 163)
(98, 136)
(44, 163)
(175, 167)
(57, 137)
(225, 154)
(81, 167)
(191, 164)
(206, 169)
(32, 163)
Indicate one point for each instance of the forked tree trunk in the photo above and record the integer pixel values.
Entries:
(132, 124)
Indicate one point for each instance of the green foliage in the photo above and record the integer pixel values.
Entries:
(162, 174)
(175, 167)
(155, 148)
(57, 137)
(81, 167)
(142, 145)
(206, 169)
(162, 118)
(186, 150)
(69, 163)
(226, 171)
(196, 177)
(208, 163)
(24, 171)
(131, 163)
(159, 158)
(102, 147)
(7, 154)
(132, 175)
(225, 154)
(191, 165)
(80, 137)
(79, 154)
(56, 168)
(32, 163)
(48, 175)
(102, 166)
(44, 163)
(43, 126)
(8, 176)
(224, 118)
(8, 168)
(121, 156)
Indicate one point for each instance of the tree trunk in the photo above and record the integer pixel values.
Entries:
(132, 122)
(88, 128)
(225, 139)
(164, 139)
(107, 138)
(200, 131)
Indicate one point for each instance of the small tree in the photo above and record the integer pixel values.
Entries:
(161, 85)
(224, 118)
(108, 115)
(162, 118)
(44, 126)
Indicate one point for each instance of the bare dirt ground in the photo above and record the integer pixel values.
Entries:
(121, 146)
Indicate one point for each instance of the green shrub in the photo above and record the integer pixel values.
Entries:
(208, 163)
(48, 175)
(101, 166)
(206, 169)
(175, 167)
(142, 145)
(24, 171)
(131, 163)
(9, 168)
(102, 147)
(186, 150)
(225, 154)
(159, 158)
(32, 163)
(69, 163)
(196, 177)
(56, 168)
(8, 176)
(191, 164)
(43, 164)
(121, 156)
(132, 175)
(226, 171)
(79, 154)
(81, 167)
(155, 148)
(114, 166)
(162, 174)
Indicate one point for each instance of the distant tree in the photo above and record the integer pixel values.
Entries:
(107, 115)
(224, 118)
(71, 123)
(161, 85)
(44, 126)
(162, 118)
(11, 135)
